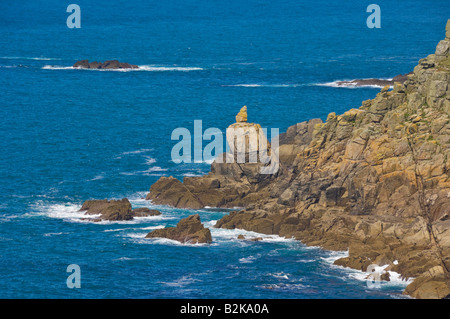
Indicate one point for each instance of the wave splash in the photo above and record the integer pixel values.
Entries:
(142, 68)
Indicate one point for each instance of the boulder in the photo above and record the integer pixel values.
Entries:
(170, 191)
(432, 284)
(108, 209)
(188, 230)
(242, 115)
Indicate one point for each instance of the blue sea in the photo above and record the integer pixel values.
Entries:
(69, 135)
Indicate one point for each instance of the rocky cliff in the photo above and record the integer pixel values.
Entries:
(374, 180)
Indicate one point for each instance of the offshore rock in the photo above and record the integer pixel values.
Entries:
(111, 210)
(188, 230)
(115, 210)
(111, 64)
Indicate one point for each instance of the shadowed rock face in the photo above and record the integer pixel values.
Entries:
(188, 230)
(373, 181)
(112, 64)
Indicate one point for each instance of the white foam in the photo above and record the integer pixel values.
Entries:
(256, 85)
(335, 255)
(165, 241)
(70, 212)
(181, 282)
(395, 278)
(285, 286)
(28, 58)
(142, 150)
(155, 68)
(151, 171)
(52, 67)
(349, 85)
(155, 169)
(149, 160)
(232, 234)
(247, 260)
(96, 178)
(280, 275)
(67, 211)
(54, 234)
(205, 161)
(142, 68)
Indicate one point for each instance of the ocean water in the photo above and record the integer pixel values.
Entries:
(70, 135)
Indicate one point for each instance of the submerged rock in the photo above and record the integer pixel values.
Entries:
(111, 64)
(145, 212)
(188, 230)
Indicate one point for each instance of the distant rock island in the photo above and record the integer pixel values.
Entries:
(111, 64)
(401, 78)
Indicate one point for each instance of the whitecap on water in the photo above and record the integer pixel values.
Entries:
(280, 275)
(349, 85)
(247, 260)
(67, 211)
(142, 68)
(181, 282)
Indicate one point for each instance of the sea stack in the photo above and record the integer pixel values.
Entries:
(245, 139)
(242, 115)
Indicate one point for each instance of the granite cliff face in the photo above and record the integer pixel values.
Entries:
(374, 180)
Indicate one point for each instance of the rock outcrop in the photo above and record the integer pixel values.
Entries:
(108, 209)
(401, 78)
(145, 212)
(111, 64)
(188, 230)
(114, 210)
(234, 179)
(374, 181)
